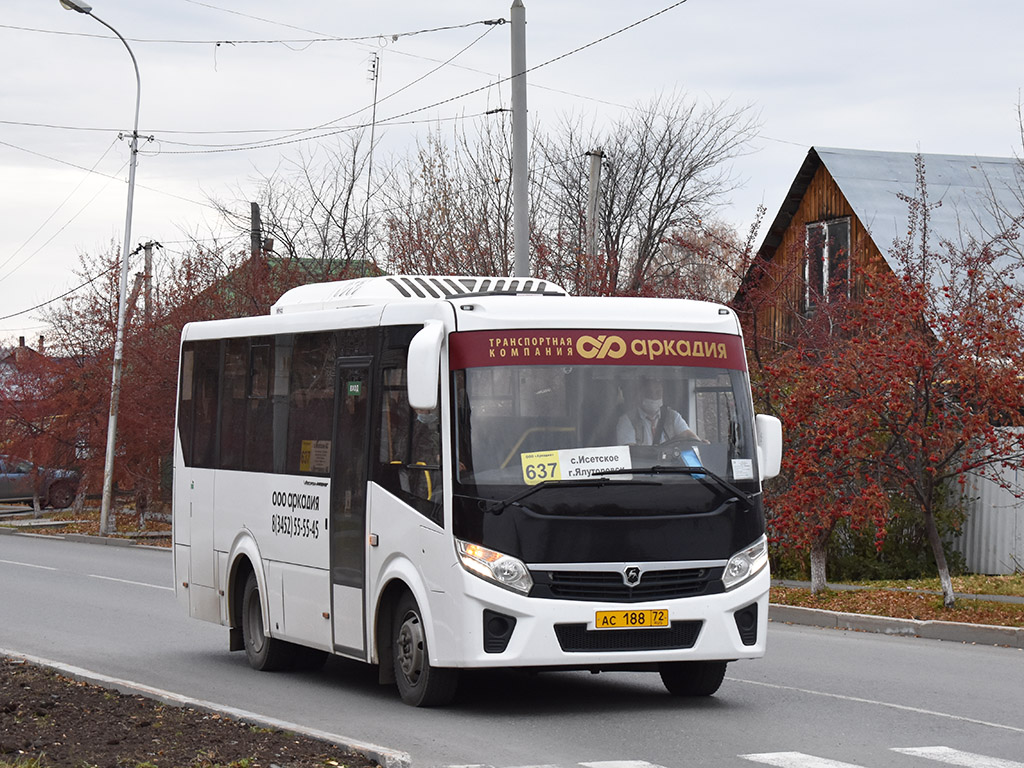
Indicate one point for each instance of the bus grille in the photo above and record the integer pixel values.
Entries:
(576, 638)
(608, 586)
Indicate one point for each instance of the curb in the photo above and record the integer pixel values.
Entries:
(980, 634)
(84, 538)
(385, 757)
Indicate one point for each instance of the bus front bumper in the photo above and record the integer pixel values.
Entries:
(500, 628)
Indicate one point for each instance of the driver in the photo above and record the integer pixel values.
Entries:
(652, 422)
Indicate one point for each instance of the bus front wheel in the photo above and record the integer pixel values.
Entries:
(264, 653)
(692, 678)
(419, 684)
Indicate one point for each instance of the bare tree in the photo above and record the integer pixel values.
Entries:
(314, 208)
(665, 169)
(450, 210)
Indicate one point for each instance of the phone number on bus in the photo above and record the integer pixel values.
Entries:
(297, 527)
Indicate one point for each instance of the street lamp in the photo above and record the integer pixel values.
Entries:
(115, 382)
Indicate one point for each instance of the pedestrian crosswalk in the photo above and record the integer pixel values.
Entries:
(945, 755)
(939, 754)
(956, 757)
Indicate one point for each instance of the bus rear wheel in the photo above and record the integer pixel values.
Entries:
(419, 684)
(692, 678)
(264, 653)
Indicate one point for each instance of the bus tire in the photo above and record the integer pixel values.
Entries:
(692, 678)
(264, 653)
(419, 684)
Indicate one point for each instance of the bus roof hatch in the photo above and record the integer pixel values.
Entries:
(373, 290)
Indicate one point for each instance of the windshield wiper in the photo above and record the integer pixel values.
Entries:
(700, 473)
(497, 506)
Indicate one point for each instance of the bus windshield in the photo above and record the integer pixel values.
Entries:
(524, 424)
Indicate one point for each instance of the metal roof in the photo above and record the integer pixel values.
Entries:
(872, 183)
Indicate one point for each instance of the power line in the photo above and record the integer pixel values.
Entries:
(393, 36)
(269, 145)
(391, 120)
(296, 131)
(27, 124)
(236, 147)
(62, 296)
(100, 173)
(20, 264)
(96, 277)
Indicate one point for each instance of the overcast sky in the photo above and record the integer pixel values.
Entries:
(934, 76)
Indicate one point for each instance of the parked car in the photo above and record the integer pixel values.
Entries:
(57, 487)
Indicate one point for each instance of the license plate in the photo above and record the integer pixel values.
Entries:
(648, 618)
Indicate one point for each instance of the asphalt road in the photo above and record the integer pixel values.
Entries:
(822, 698)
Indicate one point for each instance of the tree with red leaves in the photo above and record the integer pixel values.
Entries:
(828, 448)
(54, 407)
(936, 357)
(901, 391)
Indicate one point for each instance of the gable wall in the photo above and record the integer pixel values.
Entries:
(783, 287)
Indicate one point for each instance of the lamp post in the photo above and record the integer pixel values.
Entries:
(115, 382)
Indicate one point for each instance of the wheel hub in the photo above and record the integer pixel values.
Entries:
(410, 648)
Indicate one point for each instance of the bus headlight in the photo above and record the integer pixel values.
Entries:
(503, 570)
(746, 563)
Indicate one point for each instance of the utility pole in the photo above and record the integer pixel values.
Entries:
(593, 198)
(373, 74)
(255, 230)
(134, 296)
(520, 168)
(147, 292)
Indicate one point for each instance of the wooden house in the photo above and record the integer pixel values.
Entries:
(848, 206)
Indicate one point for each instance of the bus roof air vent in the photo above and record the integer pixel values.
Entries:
(372, 290)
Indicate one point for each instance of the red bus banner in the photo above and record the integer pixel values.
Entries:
(480, 349)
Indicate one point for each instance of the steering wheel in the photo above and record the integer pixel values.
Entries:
(674, 448)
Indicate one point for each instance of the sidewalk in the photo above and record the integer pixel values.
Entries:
(979, 634)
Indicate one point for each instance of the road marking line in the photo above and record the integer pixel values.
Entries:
(795, 760)
(621, 764)
(29, 565)
(890, 705)
(956, 757)
(388, 758)
(126, 581)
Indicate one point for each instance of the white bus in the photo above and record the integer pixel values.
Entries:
(431, 474)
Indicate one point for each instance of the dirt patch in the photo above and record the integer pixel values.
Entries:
(902, 604)
(64, 722)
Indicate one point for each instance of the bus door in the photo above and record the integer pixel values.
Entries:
(348, 504)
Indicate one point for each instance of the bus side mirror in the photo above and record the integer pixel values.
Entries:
(769, 445)
(424, 364)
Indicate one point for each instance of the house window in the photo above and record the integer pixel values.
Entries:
(827, 268)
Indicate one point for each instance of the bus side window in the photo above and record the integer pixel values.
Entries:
(199, 443)
(409, 453)
(311, 404)
(233, 403)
